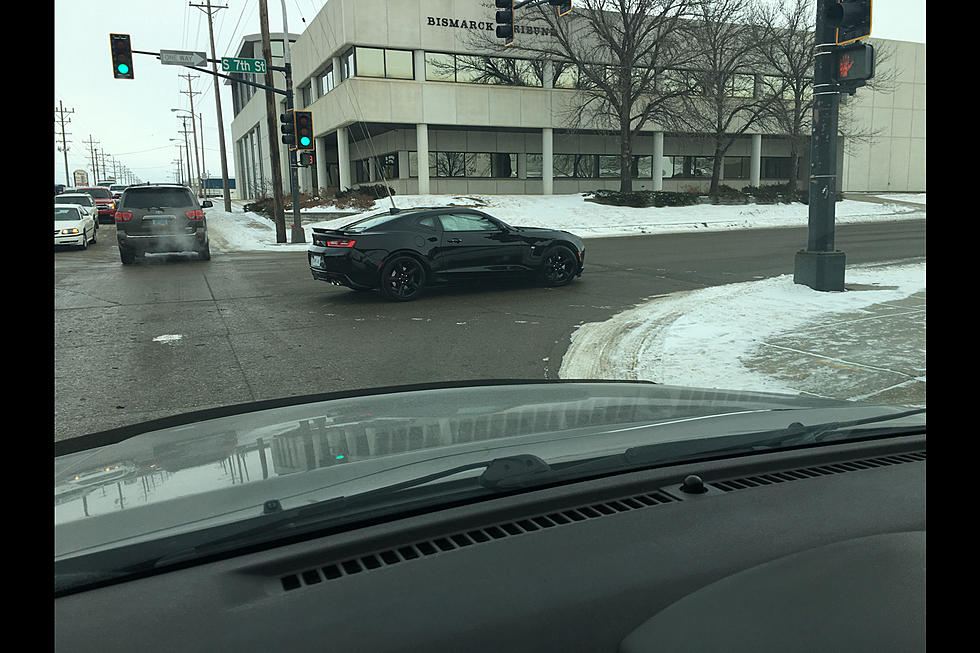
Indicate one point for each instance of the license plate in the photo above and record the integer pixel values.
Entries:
(316, 261)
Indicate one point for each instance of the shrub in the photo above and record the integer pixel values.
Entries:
(729, 195)
(643, 198)
(375, 191)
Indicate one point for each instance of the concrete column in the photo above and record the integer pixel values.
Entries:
(547, 162)
(658, 160)
(373, 169)
(322, 170)
(422, 149)
(549, 75)
(755, 164)
(419, 59)
(343, 158)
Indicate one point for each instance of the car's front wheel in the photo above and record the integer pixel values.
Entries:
(402, 278)
(558, 266)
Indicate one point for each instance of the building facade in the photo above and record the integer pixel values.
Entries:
(400, 94)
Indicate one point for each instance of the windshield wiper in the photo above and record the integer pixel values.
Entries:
(796, 434)
(275, 520)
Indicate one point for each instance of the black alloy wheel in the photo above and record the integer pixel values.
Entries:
(402, 278)
(558, 266)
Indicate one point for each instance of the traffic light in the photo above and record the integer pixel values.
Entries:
(122, 56)
(288, 129)
(306, 159)
(852, 18)
(854, 66)
(303, 121)
(564, 6)
(505, 21)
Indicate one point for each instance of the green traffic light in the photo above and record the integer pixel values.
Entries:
(123, 69)
(305, 140)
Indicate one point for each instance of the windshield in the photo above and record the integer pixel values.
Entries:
(692, 210)
(65, 213)
(99, 193)
(81, 200)
(152, 197)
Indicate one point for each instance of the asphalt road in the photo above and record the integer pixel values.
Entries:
(176, 334)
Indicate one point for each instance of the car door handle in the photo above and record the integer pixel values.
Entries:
(454, 240)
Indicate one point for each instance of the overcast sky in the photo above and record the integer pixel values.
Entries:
(131, 120)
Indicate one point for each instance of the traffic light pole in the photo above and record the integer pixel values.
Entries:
(820, 266)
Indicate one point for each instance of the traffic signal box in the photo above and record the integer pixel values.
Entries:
(122, 56)
(303, 122)
(852, 18)
(564, 6)
(505, 21)
(288, 129)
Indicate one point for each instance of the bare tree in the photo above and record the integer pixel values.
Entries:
(725, 102)
(785, 31)
(615, 53)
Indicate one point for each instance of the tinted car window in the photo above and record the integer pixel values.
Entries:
(101, 193)
(66, 213)
(370, 222)
(81, 200)
(466, 222)
(151, 197)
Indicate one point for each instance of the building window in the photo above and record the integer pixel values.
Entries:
(534, 166)
(387, 166)
(440, 67)
(375, 62)
(736, 167)
(609, 165)
(692, 166)
(362, 171)
(326, 81)
(399, 64)
(348, 60)
(578, 166)
(776, 167)
(486, 165)
(306, 93)
(643, 167)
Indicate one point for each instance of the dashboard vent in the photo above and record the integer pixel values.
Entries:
(771, 478)
(475, 537)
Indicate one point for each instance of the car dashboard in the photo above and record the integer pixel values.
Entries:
(818, 549)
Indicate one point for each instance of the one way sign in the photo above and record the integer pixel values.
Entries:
(182, 58)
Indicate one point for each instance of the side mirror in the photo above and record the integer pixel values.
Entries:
(206, 204)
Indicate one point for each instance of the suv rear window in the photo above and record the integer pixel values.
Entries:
(145, 198)
(101, 193)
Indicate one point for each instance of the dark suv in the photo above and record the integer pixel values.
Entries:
(161, 218)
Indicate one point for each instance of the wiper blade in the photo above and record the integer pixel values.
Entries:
(496, 474)
(796, 434)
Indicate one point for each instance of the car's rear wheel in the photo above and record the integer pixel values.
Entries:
(205, 253)
(402, 278)
(127, 256)
(558, 266)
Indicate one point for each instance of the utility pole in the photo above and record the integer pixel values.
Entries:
(217, 100)
(64, 143)
(190, 93)
(272, 122)
(91, 155)
(204, 166)
(187, 147)
(299, 235)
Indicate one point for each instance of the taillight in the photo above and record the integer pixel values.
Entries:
(195, 215)
(123, 216)
(342, 242)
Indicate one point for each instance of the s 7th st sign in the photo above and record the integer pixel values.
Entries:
(240, 65)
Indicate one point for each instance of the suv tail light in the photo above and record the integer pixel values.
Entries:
(123, 216)
(195, 215)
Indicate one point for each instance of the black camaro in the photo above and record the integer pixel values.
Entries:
(401, 252)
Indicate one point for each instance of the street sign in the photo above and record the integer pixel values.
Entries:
(182, 58)
(239, 65)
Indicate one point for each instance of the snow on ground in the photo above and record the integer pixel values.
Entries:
(241, 231)
(701, 338)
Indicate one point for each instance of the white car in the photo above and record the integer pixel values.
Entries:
(81, 200)
(72, 226)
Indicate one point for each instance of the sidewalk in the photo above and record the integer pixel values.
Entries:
(876, 355)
